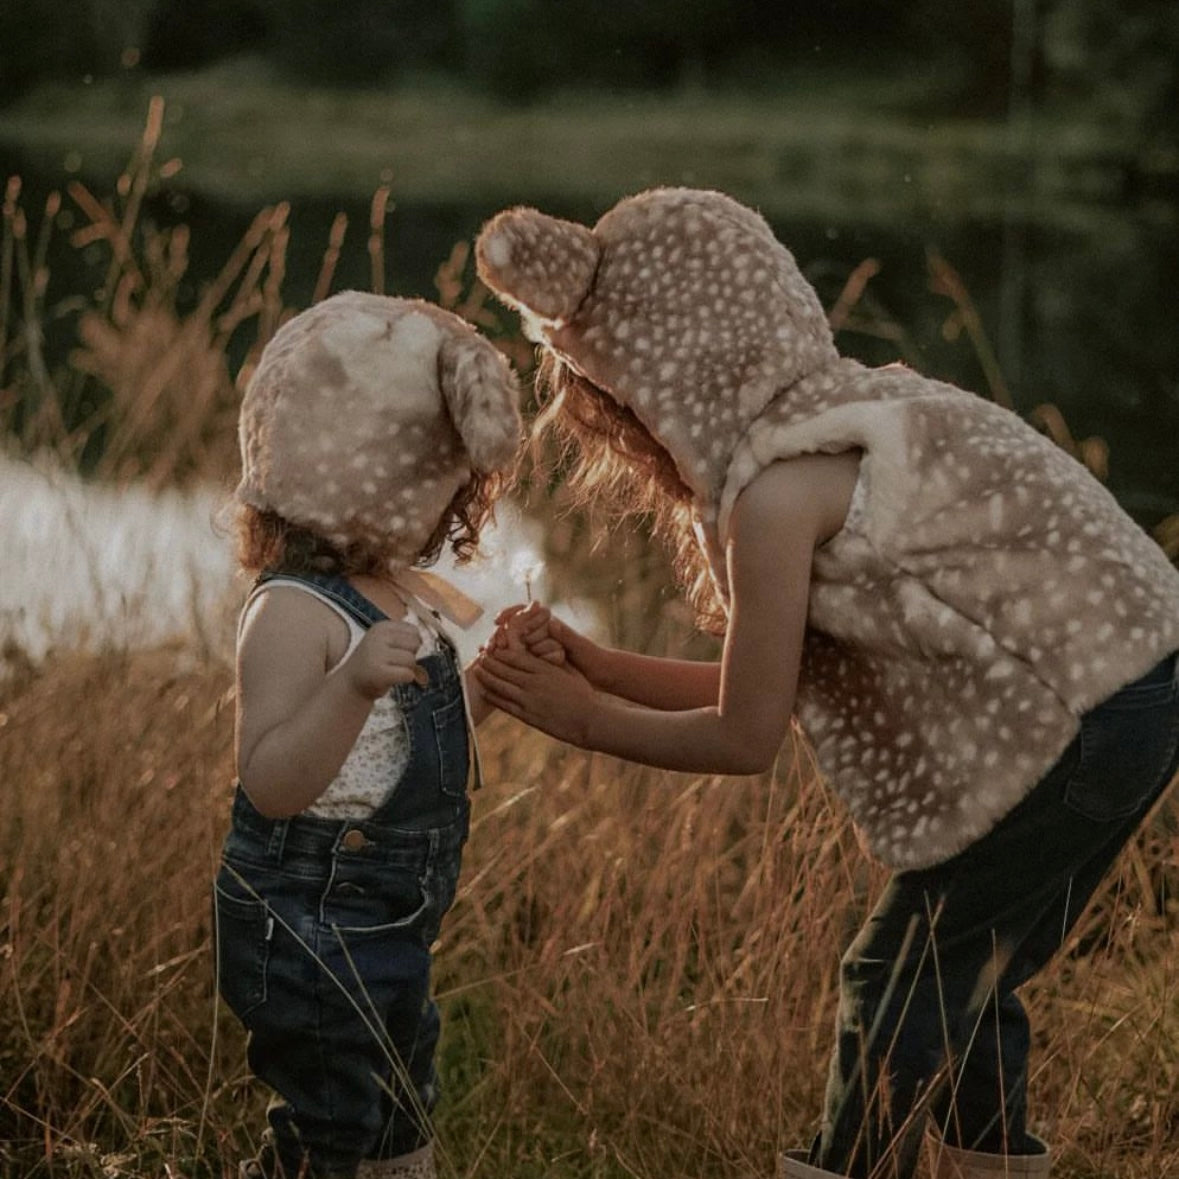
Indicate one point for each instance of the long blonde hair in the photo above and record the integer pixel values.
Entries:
(613, 462)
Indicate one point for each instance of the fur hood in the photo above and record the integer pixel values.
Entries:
(679, 303)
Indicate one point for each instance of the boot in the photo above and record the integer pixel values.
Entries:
(793, 1165)
(951, 1162)
(418, 1164)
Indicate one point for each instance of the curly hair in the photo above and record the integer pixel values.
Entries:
(614, 462)
(266, 541)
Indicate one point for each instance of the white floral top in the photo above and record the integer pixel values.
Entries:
(377, 760)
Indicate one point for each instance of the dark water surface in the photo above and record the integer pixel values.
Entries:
(1080, 310)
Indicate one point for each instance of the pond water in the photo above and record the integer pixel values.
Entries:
(88, 567)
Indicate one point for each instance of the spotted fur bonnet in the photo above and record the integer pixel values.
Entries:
(680, 303)
(367, 413)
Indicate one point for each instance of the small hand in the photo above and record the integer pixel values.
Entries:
(552, 697)
(384, 657)
(534, 626)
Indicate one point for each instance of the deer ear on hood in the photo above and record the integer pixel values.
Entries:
(482, 396)
(541, 265)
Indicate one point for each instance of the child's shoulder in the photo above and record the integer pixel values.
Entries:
(288, 612)
(812, 487)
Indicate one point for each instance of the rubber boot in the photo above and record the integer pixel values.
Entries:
(793, 1165)
(419, 1164)
(951, 1162)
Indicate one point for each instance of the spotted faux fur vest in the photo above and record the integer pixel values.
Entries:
(986, 592)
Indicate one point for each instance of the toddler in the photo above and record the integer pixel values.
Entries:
(372, 432)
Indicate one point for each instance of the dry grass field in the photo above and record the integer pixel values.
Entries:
(638, 978)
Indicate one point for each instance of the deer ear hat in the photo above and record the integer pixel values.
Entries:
(679, 303)
(367, 413)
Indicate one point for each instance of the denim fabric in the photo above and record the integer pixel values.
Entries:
(324, 930)
(929, 1023)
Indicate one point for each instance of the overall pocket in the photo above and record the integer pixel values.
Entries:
(243, 928)
(450, 732)
(374, 896)
(1128, 745)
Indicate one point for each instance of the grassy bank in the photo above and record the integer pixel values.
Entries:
(637, 980)
(832, 146)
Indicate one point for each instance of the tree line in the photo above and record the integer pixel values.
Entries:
(1118, 57)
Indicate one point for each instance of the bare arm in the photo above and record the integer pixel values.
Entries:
(296, 723)
(779, 520)
(655, 682)
(666, 684)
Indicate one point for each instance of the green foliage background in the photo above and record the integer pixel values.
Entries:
(1116, 58)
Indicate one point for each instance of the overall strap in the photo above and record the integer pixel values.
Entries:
(337, 589)
(428, 598)
(357, 606)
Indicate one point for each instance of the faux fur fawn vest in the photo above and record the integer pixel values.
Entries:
(985, 592)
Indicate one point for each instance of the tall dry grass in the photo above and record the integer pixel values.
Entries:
(147, 393)
(638, 979)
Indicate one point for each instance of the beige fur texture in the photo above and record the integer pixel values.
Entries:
(985, 590)
(366, 414)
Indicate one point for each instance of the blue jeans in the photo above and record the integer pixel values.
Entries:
(324, 930)
(929, 1023)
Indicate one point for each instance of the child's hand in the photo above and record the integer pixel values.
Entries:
(553, 697)
(534, 627)
(384, 657)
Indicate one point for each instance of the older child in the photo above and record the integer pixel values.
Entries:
(372, 432)
(977, 640)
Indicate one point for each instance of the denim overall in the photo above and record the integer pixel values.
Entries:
(929, 1022)
(324, 930)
